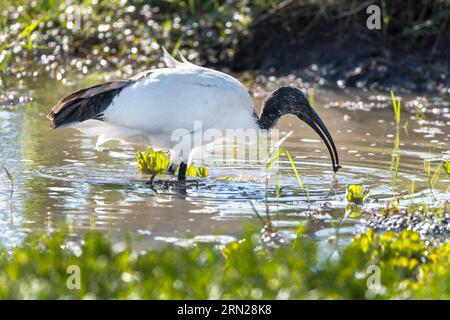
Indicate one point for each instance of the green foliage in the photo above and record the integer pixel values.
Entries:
(397, 108)
(158, 162)
(199, 172)
(446, 167)
(202, 172)
(293, 166)
(241, 270)
(432, 174)
(171, 23)
(356, 193)
(153, 162)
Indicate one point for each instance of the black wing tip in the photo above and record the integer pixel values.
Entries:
(84, 104)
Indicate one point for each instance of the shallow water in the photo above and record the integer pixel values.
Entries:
(61, 178)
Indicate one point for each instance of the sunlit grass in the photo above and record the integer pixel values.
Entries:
(431, 174)
(395, 155)
(239, 270)
(397, 107)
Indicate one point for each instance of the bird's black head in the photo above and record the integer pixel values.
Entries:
(290, 100)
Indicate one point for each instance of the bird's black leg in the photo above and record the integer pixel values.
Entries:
(182, 171)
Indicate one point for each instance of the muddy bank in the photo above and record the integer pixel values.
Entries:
(331, 44)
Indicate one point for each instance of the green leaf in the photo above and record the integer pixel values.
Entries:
(297, 175)
(446, 167)
(397, 107)
(153, 162)
(356, 193)
(191, 171)
(353, 211)
(294, 167)
(202, 172)
(275, 158)
(10, 177)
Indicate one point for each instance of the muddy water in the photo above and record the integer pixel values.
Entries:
(60, 177)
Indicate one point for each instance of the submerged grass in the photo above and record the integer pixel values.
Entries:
(406, 268)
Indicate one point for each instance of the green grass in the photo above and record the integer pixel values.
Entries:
(276, 156)
(397, 107)
(205, 27)
(431, 174)
(41, 268)
(356, 194)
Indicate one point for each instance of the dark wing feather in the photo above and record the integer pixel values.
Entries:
(89, 103)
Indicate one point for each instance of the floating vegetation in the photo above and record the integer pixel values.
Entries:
(200, 172)
(157, 163)
(356, 194)
(153, 162)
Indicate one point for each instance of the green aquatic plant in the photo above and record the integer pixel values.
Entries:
(158, 162)
(395, 166)
(153, 162)
(277, 155)
(356, 194)
(395, 154)
(391, 208)
(431, 174)
(193, 171)
(202, 172)
(412, 186)
(397, 107)
(446, 167)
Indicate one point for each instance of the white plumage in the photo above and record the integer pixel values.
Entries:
(164, 100)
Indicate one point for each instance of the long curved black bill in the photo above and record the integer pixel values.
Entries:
(314, 121)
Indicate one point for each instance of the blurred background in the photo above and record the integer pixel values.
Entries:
(323, 41)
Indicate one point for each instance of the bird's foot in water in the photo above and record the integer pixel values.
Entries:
(172, 183)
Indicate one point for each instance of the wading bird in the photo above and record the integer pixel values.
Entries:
(151, 105)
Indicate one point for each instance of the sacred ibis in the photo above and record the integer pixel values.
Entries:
(149, 106)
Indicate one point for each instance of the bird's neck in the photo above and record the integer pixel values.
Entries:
(269, 116)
